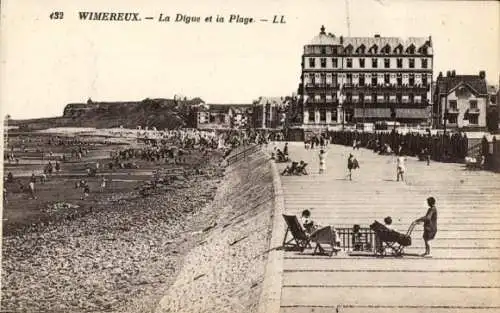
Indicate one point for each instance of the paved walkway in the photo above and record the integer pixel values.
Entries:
(464, 273)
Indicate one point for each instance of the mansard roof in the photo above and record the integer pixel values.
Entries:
(330, 39)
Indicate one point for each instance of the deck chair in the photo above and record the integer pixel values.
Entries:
(325, 237)
(300, 240)
(301, 169)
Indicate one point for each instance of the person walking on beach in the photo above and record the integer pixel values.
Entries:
(400, 167)
(31, 187)
(430, 225)
(322, 161)
(103, 183)
(285, 149)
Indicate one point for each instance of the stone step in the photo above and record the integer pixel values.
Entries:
(389, 265)
(381, 279)
(390, 309)
(368, 297)
(409, 252)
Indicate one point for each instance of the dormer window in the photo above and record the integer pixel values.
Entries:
(374, 49)
(323, 50)
(361, 49)
(411, 49)
(386, 49)
(348, 49)
(398, 49)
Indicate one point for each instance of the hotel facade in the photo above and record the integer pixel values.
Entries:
(349, 80)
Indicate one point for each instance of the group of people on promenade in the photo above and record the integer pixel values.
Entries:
(443, 147)
(429, 220)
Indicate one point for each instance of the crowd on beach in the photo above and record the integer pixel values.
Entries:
(169, 146)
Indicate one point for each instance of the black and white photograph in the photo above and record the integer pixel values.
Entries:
(277, 156)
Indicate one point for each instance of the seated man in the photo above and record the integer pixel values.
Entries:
(281, 156)
(301, 168)
(290, 170)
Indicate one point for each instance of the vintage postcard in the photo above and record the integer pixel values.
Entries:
(250, 156)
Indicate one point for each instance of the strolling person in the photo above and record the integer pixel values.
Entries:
(400, 168)
(285, 149)
(322, 161)
(430, 225)
(352, 164)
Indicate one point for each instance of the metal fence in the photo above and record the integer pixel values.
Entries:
(242, 155)
(362, 240)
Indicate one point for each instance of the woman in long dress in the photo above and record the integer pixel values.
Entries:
(322, 161)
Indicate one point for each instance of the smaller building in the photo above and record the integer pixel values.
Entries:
(461, 101)
(224, 116)
(270, 112)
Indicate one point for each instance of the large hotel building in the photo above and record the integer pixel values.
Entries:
(348, 80)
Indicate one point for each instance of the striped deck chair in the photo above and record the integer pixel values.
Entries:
(300, 240)
(325, 236)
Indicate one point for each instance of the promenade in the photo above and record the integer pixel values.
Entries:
(462, 276)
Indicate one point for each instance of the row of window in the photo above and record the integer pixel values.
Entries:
(362, 49)
(453, 118)
(453, 104)
(322, 115)
(374, 79)
(386, 97)
(387, 62)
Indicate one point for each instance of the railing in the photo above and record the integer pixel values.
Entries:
(386, 87)
(243, 154)
(364, 240)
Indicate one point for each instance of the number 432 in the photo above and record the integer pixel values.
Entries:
(56, 15)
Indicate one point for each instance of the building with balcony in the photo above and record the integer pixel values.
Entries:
(364, 79)
(270, 112)
(461, 101)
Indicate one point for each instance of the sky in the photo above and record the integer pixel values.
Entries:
(47, 64)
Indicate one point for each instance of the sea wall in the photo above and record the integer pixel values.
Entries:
(225, 271)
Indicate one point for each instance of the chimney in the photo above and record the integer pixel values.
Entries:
(482, 74)
(448, 74)
(341, 39)
(377, 35)
(453, 73)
